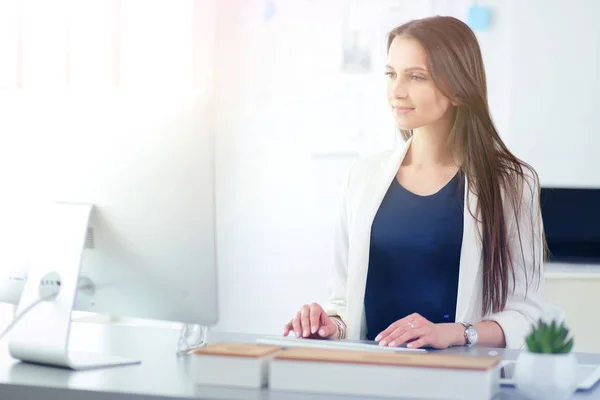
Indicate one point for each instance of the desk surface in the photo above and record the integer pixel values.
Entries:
(162, 374)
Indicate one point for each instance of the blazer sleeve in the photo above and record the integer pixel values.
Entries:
(525, 303)
(338, 279)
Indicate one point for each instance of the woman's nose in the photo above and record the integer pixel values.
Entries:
(400, 90)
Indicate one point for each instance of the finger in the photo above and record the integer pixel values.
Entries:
(399, 331)
(417, 344)
(296, 324)
(287, 328)
(401, 327)
(305, 321)
(315, 317)
(409, 335)
(401, 322)
(385, 339)
(325, 319)
(387, 331)
(327, 331)
(328, 327)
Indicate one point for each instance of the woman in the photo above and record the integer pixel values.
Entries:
(439, 243)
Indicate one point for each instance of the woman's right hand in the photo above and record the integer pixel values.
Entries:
(311, 322)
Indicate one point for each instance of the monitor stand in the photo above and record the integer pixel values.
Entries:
(41, 336)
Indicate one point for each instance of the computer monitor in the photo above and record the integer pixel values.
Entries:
(113, 190)
(572, 224)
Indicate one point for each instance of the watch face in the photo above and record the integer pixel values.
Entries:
(472, 335)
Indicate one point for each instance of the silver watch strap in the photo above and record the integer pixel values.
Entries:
(467, 326)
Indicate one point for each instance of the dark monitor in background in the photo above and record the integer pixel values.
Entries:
(572, 224)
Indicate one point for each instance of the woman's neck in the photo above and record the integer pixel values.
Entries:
(429, 146)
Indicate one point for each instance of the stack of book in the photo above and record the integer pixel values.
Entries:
(348, 372)
(234, 364)
(341, 372)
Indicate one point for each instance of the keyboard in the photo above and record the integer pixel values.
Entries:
(332, 344)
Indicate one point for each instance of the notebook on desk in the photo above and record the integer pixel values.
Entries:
(362, 345)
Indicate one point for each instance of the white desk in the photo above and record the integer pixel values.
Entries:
(162, 374)
(571, 271)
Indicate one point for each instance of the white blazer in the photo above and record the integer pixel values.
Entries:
(365, 187)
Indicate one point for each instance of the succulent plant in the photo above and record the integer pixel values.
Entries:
(549, 338)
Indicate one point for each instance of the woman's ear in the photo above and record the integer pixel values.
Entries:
(453, 97)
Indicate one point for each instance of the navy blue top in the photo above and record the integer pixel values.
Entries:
(414, 256)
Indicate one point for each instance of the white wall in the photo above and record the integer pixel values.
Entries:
(555, 63)
(280, 98)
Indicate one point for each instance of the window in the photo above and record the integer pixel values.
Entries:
(104, 44)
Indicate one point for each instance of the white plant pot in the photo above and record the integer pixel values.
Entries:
(546, 376)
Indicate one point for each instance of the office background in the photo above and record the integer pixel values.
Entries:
(293, 91)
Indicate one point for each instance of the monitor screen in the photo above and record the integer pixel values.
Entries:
(572, 224)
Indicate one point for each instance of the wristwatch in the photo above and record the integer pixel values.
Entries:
(471, 334)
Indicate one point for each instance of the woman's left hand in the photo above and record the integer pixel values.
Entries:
(420, 332)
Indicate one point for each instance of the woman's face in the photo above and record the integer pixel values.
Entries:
(414, 98)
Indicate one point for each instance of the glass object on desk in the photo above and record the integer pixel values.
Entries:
(191, 337)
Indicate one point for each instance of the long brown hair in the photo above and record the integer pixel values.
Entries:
(498, 178)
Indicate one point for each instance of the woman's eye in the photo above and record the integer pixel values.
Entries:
(417, 78)
(390, 74)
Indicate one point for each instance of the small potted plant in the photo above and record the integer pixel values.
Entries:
(547, 368)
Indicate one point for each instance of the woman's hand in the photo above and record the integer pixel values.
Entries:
(311, 322)
(418, 332)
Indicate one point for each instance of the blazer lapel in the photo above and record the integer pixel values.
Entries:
(468, 303)
(368, 206)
